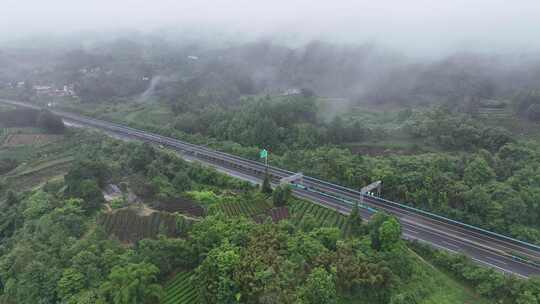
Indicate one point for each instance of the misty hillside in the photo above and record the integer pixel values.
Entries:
(360, 73)
(269, 152)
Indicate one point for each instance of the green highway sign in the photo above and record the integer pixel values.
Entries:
(263, 153)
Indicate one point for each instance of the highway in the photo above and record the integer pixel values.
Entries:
(490, 249)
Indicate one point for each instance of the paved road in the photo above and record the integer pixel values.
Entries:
(502, 253)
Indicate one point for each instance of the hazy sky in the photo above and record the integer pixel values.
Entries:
(413, 25)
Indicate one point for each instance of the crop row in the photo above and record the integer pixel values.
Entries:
(182, 205)
(237, 208)
(180, 290)
(324, 216)
(129, 226)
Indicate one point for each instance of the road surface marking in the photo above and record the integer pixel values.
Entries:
(443, 248)
(451, 245)
(500, 268)
(496, 260)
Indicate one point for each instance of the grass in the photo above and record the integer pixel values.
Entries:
(157, 114)
(26, 177)
(31, 151)
(26, 182)
(19, 153)
(151, 115)
(31, 168)
(206, 198)
(25, 130)
(39, 163)
(438, 288)
(443, 287)
(447, 290)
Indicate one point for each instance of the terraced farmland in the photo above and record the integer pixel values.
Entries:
(130, 226)
(237, 208)
(325, 216)
(182, 205)
(33, 167)
(180, 290)
(279, 213)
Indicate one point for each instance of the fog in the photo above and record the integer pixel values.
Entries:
(419, 27)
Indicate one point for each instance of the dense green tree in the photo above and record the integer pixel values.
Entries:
(389, 234)
(69, 216)
(141, 157)
(264, 133)
(328, 236)
(374, 227)
(478, 172)
(88, 169)
(214, 277)
(320, 288)
(38, 204)
(133, 283)
(354, 222)
(50, 122)
(308, 223)
(347, 266)
(168, 254)
(36, 283)
(356, 274)
(90, 193)
(162, 188)
(11, 198)
(477, 202)
(336, 130)
(281, 195)
(211, 232)
(181, 182)
(71, 283)
(266, 187)
(264, 275)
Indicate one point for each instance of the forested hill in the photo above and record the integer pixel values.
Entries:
(151, 67)
(90, 219)
(436, 159)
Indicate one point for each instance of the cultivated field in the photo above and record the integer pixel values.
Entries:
(129, 226)
(299, 211)
(12, 137)
(245, 208)
(181, 205)
(180, 290)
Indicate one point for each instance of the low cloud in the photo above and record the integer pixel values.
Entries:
(418, 26)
